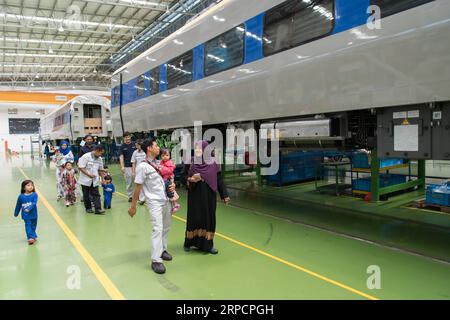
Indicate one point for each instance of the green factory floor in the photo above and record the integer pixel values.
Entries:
(261, 256)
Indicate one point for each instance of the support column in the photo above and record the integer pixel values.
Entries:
(421, 174)
(375, 176)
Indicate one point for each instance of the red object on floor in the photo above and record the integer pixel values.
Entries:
(368, 197)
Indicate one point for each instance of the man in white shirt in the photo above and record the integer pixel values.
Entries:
(152, 184)
(91, 169)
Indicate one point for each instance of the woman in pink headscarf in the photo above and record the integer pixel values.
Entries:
(203, 179)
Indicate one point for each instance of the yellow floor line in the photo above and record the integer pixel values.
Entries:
(290, 264)
(109, 286)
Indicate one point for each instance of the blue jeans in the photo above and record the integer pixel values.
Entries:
(30, 228)
(170, 194)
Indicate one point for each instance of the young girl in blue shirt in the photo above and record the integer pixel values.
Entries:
(27, 203)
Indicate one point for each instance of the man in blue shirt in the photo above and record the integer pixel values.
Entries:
(126, 152)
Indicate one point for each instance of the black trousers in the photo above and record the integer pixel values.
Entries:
(91, 195)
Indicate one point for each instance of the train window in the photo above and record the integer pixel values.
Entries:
(116, 96)
(390, 7)
(92, 111)
(296, 22)
(154, 81)
(179, 70)
(225, 51)
(140, 87)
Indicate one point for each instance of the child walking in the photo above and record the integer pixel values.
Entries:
(27, 203)
(108, 190)
(166, 169)
(69, 183)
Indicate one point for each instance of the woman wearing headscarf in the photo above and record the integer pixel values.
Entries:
(203, 180)
(62, 155)
(66, 151)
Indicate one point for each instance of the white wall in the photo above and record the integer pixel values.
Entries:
(16, 141)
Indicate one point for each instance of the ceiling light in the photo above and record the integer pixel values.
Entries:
(8, 54)
(58, 21)
(75, 43)
(61, 28)
(144, 3)
(50, 50)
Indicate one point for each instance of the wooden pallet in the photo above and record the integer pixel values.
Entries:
(421, 204)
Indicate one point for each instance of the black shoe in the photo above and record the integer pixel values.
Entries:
(100, 212)
(141, 203)
(89, 211)
(166, 256)
(130, 199)
(187, 249)
(158, 267)
(213, 251)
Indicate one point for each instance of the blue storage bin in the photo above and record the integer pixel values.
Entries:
(296, 166)
(386, 180)
(438, 194)
(361, 161)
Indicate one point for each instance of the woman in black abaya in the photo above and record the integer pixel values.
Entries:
(203, 179)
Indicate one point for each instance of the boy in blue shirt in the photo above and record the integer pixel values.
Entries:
(108, 190)
(27, 203)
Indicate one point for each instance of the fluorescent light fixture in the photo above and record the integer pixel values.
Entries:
(144, 3)
(39, 75)
(69, 22)
(42, 66)
(40, 55)
(69, 43)
(176, 41)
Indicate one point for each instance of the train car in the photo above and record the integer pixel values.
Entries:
(80, 116)
(324, 67)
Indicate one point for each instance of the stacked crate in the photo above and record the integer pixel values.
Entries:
(360, 160)
(386, 180)
(296, 166)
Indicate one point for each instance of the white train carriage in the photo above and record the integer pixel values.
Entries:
(80, 116)
(275, 59)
